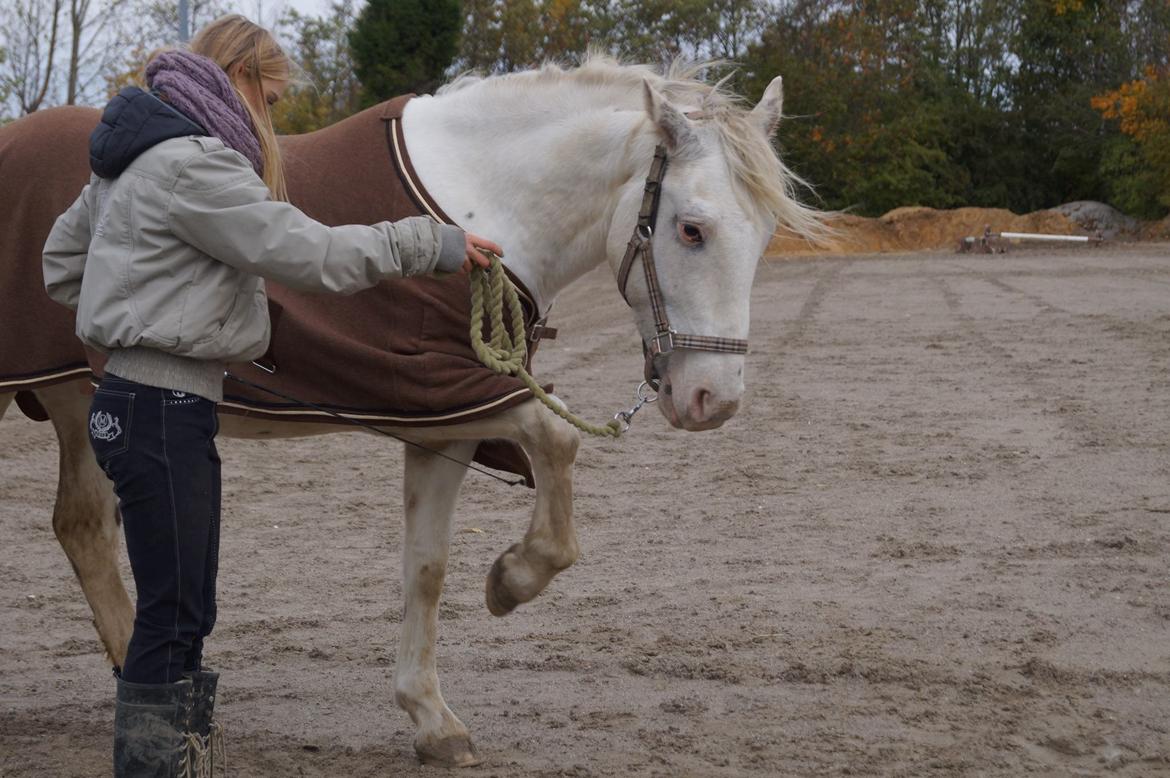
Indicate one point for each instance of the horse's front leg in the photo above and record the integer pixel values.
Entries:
(85, 518)
(550, 545)
(431, 488)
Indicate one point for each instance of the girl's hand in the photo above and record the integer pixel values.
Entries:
(475, 256)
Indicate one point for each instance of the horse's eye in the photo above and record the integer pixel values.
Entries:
(690, 234)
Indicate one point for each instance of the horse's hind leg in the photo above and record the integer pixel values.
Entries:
(550, 545)
(85, 518)
(431, 487)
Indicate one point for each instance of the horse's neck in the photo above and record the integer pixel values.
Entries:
(542, 182)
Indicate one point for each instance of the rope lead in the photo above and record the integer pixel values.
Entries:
(508, 351)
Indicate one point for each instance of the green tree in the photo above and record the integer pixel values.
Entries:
(404, 45)
(1068, 51)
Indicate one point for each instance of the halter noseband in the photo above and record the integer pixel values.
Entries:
(665, 339)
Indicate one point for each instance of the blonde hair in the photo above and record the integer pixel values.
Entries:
(246, 50)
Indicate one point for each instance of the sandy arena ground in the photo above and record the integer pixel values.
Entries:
(936, 541)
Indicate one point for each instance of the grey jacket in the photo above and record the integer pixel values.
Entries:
(163, 264)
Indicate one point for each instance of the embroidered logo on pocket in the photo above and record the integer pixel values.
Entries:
(104, 426)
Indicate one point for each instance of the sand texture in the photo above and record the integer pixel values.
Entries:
(935, 541)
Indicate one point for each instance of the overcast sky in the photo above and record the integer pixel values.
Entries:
(266, 12)
(311, 7)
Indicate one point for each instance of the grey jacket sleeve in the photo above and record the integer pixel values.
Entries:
(65, 252)
(221, 207)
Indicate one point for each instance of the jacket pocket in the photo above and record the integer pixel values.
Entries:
(215, 329)
(110, 416)
(214, 303)
(245, 334)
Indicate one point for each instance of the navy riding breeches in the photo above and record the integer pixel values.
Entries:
(158, 447)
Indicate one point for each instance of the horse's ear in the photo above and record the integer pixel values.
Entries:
(766, 114)
(676, 130)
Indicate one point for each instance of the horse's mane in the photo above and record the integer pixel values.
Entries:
(753, 161)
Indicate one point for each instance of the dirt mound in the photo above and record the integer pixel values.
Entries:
(1101, 218)
(916, 229)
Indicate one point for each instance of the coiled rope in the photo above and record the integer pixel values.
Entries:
(508, 351)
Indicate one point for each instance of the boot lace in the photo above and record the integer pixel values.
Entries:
(201, 755)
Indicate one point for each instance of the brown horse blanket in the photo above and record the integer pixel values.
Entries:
(398, 353)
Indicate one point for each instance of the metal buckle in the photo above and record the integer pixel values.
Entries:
(625, 417)
(662, 343)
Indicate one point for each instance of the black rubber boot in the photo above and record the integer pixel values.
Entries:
(150, 729)
(210, 746)
(203, 685)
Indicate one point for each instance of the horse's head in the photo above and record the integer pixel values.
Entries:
(723, 194)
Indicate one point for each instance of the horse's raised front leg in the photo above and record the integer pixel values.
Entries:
(550, 545)
(431, 487)
(85, 518)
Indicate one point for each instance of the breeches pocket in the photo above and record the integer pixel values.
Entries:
(110, 415)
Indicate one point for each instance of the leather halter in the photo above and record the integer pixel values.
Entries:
(665, 339)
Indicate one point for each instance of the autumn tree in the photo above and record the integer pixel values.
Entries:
(482, 37)
(326, 89)
(500, 36)
(861, 91)
(1139, 161)
(156, 24)
(1145, 24)
(981, 102)
(660, 30)
(3, 89)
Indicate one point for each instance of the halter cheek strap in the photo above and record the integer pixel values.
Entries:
(665, 339)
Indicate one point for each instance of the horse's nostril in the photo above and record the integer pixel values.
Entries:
(707, 407)
(700, 403)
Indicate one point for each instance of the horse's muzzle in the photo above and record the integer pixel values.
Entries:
(701, 409)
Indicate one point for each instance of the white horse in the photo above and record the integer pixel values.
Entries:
(551, 164)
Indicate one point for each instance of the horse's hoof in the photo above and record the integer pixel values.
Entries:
(453, 751)
(500, 601)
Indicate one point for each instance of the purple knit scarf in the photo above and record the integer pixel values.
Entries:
(199, 88)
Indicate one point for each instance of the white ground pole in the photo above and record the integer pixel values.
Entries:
(1039, 236)
(984, 243)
